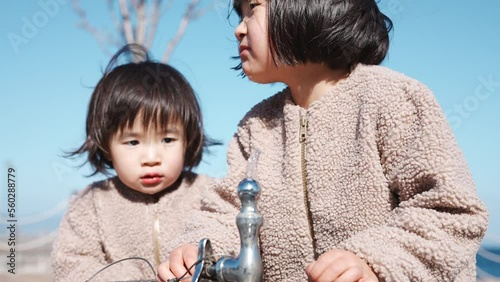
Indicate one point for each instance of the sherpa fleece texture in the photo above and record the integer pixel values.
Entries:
(385, 178)
(108, 221)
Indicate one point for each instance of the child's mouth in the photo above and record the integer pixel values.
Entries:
(151, 179)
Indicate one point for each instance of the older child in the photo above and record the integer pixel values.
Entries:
(361, 176)
(143, 122)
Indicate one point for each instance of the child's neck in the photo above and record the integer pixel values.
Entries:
(309, 82)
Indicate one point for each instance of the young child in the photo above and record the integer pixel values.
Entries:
(361, 176)
(143, 122)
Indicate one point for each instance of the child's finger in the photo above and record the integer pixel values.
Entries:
(164, 272)
(327, 261)
(321, 269)
(352, 274)
(177, 265)
(190, 257)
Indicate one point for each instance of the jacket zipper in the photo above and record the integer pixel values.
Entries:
(156, 234)
(303, 135)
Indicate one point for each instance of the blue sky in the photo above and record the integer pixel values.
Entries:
(451, 46)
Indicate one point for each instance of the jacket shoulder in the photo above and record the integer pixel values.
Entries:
(390, 89)
(385, 78)
(268, 109)
(86, 197)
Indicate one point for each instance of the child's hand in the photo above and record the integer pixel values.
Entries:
(178, 262)
(340, 266)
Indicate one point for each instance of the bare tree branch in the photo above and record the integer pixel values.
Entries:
(113, 15)
(155, 18)
(166, 7)
(137, 22)
(180, 30)
(126, 23)
(200, 12)
(140, 30)
(102, 41)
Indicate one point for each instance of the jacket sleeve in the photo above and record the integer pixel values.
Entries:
(436, 227)
(78, 252)
(216, 220)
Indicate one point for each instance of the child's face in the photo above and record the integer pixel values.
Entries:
(148, 160)
(254, 48)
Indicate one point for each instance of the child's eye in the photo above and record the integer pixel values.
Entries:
(168, 140)
(132, 143)
(253, 5)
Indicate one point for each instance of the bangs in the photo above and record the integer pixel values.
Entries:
(155, 96)
(157, 120)
(157, 115)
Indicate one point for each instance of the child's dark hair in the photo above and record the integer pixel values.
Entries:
(339, 33)
(152, 91)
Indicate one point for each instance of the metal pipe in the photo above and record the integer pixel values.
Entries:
(247, 266)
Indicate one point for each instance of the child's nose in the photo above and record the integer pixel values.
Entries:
(151, 156)
(240, 31)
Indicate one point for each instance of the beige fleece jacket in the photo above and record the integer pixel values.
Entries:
(382, 172)
(108, 221)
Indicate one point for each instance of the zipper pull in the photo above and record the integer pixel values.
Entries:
(303, 129)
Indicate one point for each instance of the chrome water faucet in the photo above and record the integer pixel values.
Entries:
(247, 266)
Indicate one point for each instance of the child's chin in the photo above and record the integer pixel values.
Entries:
(152, 191)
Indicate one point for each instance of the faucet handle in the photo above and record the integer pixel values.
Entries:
(205, 270)
(248, 186)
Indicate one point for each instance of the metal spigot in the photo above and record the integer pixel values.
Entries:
(247, 267)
